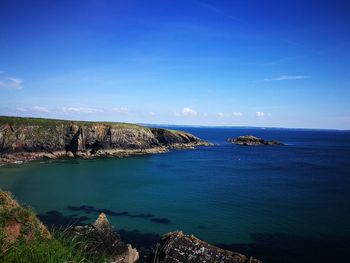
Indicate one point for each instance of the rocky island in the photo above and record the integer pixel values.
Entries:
(26, 139)
(24, 237)
(252, 140)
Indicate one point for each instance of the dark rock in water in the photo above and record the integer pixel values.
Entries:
(55, 219)
(101, 239)
(176, 247)
(252, 140)
(165, 221)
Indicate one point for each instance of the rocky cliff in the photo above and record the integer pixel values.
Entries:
(23, 139)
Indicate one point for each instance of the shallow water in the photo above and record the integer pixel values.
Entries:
(249, 198)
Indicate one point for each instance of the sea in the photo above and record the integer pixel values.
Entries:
(287, 203)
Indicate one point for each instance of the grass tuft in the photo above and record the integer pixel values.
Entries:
(61, 248)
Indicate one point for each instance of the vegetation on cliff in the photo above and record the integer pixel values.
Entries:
(42, 122)
(24, 239)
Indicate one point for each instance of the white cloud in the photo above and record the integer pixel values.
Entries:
(151, 113)
(237, 114)
(287, 77)
(220, 114)
(11, 83)
(79, 110)
(123, 110)
(261, 114)
(21, 109)
(40, 109)
(189, 112)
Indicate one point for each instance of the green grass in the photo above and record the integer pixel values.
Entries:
(60, 248)
(42, 122)
(175, 131)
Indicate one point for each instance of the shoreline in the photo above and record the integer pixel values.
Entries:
(26, 157)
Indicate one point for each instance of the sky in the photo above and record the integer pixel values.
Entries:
(186, 62)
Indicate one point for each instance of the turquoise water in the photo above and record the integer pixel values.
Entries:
(249, 198)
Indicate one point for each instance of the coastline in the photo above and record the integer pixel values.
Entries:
(24, 157)
(29, 139)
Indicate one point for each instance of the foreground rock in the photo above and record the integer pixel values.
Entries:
(176, 247)
(102, 240)
(252, 140)
(26, 139)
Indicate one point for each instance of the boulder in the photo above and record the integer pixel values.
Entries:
(69, 154)
(101, 239)
(176, 247)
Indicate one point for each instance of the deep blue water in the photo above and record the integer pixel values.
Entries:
(280, 203)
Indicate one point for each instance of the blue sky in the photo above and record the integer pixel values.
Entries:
(194, 62)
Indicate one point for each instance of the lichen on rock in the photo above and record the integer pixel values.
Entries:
(176, 247)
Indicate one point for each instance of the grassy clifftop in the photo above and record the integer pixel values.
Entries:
(43, 122)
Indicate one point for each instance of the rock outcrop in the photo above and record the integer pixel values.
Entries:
(23, 139)
(101, 239)
(252, 140)
(176, 247)
(176, 139)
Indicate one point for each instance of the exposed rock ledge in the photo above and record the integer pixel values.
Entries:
(27, 139)
(252, 140)
(177, 247)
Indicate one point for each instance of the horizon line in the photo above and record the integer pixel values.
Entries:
(183, 125)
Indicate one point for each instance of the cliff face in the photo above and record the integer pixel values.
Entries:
(171, 137)
(28, 137)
